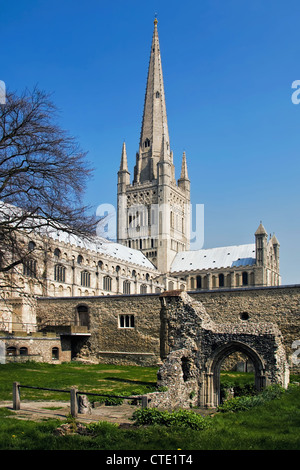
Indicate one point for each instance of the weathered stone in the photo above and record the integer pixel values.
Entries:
(84, 406)
(197, 347)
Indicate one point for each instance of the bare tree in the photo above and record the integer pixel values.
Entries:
(43, 175)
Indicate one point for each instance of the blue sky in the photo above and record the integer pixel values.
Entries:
(228, 70)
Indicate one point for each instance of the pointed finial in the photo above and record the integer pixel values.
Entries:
(124, 165)
(155, 20)
(184, 171)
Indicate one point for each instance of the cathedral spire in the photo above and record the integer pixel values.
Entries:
(123, 173)
(184, 171)
(154, 123)
(184, 182)
(124, 165)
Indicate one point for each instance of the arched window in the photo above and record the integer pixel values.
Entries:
(147, 143)
(30, 267)
(245, 278)
(55, 354)
(126, 287)
(143, 289)
(31, 246)
(85, 279)
(79, 259)
(199, 282)
(107, 283)
(11, 351)
(59, 273)
(57, 252)
(221, 280)
(157, 94)
(23, 351)
(83, 315)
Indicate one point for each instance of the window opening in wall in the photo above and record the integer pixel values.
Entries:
(143, 289)
(79, 259)
(221, 280)
(126, 287)
(126, 321)
(244, 316)
(23, 351)
(11, 351)
(100, 265)
(185, 368)
(85, 279)
(30, 267)
(245, 278)
(57, 252)
(31, 246)
(55, 354)
(59, 273)
(199, 282)
(83, 315)
(107, 283)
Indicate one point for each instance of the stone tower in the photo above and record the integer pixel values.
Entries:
(154, 211)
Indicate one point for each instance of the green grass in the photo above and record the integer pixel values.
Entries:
(275, 425)
(100, 378)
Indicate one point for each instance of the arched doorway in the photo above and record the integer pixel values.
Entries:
(211, 389)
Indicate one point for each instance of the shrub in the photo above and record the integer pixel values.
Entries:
(180, 418)
(111, 401)
(243, 403)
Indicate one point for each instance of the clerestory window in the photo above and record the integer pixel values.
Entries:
(59, 273)
(85, 279)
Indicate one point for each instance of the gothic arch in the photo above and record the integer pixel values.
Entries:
(213, 366)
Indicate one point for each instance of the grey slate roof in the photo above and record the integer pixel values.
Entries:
(221, 257)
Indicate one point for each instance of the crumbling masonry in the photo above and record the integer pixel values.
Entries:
(193, 348)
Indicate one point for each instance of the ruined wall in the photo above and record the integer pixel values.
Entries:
(140, 344)
(194, 347)
(279, 305)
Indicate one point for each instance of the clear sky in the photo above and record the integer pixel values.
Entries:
(228, 70)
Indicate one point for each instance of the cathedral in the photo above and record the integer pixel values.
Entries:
(154, 210)
(152, 251)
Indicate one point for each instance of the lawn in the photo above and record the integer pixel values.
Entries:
(100, 378)
(272, 426)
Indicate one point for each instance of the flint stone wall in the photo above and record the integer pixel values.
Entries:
(193, 348)
(141, 344)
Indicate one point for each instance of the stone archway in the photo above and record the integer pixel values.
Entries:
(193, 347)
(211, 378)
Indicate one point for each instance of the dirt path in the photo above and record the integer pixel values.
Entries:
(40, 410)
